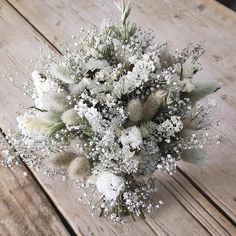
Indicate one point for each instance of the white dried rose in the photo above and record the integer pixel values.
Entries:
(133, 59)
(94, 64)
(131, 137)
(109, 185)
(92, 179)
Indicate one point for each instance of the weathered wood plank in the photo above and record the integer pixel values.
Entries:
(179, 22)
(24, 208)
(167, 220)
(190, 198)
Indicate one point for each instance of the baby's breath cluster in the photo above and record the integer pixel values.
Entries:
(116, 107)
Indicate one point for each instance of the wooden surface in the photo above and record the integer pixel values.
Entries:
(24, 208)
(199, 199)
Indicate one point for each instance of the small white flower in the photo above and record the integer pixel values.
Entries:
(133, 59)
(93, 64)
(170, 127)
(77, 89)
(94, 117)
(43, 86)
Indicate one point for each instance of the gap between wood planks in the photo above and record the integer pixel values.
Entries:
(180, 170)
(60, 215)
(23, 197)
(209, 199)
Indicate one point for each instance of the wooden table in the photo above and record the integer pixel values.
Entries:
(199, 199)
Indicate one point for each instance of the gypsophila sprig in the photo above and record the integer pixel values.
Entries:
(116, 107)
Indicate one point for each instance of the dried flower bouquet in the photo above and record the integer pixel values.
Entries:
(116, 107)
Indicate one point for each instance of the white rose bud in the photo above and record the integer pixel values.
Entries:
(109, 185)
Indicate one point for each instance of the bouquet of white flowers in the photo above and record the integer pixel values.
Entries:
(113, 109)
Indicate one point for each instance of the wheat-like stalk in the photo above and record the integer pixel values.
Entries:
(125, 9)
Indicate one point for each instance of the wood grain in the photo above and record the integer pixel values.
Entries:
(179, 22)
(183, 206)
(24, 209)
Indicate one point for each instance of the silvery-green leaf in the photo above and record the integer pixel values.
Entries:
(193, 156)
(187, 132)
(166, 58)
(117, 31)
(203, 89)
(56, 127)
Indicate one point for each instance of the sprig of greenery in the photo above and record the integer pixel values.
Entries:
(85, 127)
(125, 9)
(127, 31)
(56, 127)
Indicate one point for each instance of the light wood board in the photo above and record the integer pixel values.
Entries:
(25, 31)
